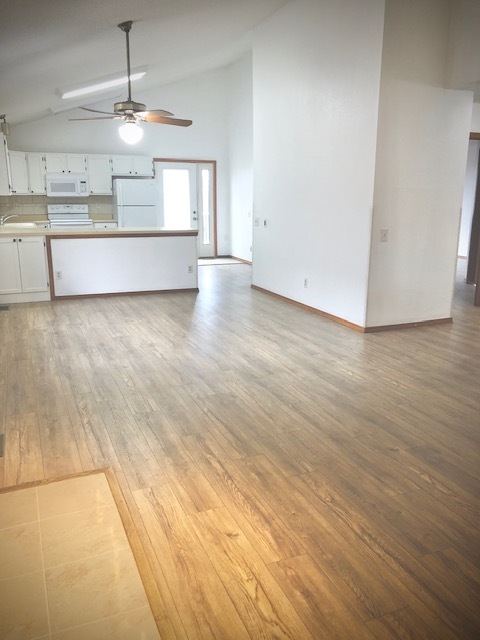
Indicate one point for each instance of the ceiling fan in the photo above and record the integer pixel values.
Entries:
(134, 112)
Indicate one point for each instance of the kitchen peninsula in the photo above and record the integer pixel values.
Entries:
(89, 262)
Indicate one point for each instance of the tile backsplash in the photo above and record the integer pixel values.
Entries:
(35, 207)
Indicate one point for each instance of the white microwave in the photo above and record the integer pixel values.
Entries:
(67, 185)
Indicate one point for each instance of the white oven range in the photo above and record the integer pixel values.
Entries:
(69, 216)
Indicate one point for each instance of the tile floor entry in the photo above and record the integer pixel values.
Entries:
(204, 262)
(66, 567)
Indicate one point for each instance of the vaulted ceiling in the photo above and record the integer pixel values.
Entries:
(46, 45)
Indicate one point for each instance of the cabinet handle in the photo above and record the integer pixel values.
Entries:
(14, 239)
(19, 239)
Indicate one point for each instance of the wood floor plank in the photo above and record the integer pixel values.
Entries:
(20, 388)
(320, 605)
(59, 447)
(159, 431)
(403, 624)
(259, 601)
(193, 489)
(137, 460)
(257, 519)
(208, 611)
(462, 580)
(264, 451)
(51, 400)
(454, 469)
(356, 494)
(356, 578)
(23, 451)
(94, 445)
(460, 533)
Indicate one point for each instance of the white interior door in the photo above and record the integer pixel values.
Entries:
(186, 200)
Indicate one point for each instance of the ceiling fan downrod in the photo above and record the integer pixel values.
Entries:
(125, 27)
(123, 108)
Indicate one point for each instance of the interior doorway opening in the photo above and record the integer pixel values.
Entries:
(469, 237)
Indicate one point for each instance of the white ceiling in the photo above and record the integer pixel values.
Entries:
(46, 45)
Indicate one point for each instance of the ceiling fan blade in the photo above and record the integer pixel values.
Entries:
(160, 112)
(165, 120)
(98, 118)
(110, 113)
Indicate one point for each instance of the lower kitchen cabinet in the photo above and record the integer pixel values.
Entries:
(23, 267)
(105, 225)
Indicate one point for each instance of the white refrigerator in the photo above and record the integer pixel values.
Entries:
(136, 203)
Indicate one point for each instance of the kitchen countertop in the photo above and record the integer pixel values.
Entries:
(12, 231)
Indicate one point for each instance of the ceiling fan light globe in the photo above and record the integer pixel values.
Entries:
(130, 132)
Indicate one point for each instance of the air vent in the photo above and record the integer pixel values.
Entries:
(4, 307)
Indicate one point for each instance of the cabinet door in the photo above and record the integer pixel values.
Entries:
(76, 163)
(36, 172)
(4, 181)
(56, 162)
(33, 263)
(142, 166)
(122, 165)
(99, 175)
(10, 281)
(18, 172)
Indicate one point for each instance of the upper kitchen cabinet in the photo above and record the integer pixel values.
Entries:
(18, 173)
(132, 166)
(37, 168)
(27, 173)
(99, 175)
(66, 163)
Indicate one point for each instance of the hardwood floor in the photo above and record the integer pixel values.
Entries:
(289, 477)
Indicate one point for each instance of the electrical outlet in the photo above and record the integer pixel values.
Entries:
(305, 282)
(58, 275)
(190, 268)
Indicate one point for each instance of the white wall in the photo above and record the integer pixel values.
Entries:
(316, 75)
(463, 68)
(421, 160)
(240, 147)
(201, 99)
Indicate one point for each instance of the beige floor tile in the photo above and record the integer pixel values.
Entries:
(23, 607)
(79, 535)
(133, 625)
(87, 590)
(74, 494)
(18, 507)
(21, 550)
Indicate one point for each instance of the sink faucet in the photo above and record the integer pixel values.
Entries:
(3, 219)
